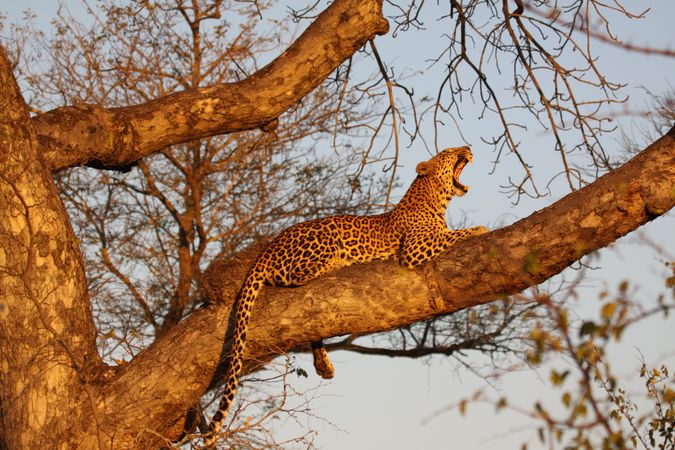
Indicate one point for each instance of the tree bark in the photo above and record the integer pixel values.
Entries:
(49, 356)
(116, 138)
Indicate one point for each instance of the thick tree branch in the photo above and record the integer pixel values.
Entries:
(172, 374)
(116, 138)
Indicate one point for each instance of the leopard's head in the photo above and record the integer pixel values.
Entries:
(446, 167)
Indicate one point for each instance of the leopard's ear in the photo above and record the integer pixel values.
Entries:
(423, 168)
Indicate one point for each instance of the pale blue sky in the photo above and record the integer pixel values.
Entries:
(380, 403)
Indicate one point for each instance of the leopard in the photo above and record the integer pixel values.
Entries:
(413, 232)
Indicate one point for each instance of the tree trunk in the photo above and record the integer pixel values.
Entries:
(49, 355)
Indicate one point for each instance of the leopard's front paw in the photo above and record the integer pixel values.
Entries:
(479, 230)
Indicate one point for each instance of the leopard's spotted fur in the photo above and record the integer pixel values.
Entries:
(415, 231)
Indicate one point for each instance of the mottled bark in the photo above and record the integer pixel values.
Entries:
(116, 138)
(49, 356)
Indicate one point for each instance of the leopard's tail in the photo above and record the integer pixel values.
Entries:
(248, 294)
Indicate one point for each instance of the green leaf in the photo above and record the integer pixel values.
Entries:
(588, 327)
(566, 399)
(608, 310)
(501, 404)
(558, 378)
(670, 282)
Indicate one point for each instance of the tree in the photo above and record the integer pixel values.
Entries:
(57, 388)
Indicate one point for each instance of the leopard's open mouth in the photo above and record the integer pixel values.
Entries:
(460, 189)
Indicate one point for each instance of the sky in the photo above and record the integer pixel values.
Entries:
(387, 403)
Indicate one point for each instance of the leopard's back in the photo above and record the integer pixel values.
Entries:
(307, 250)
